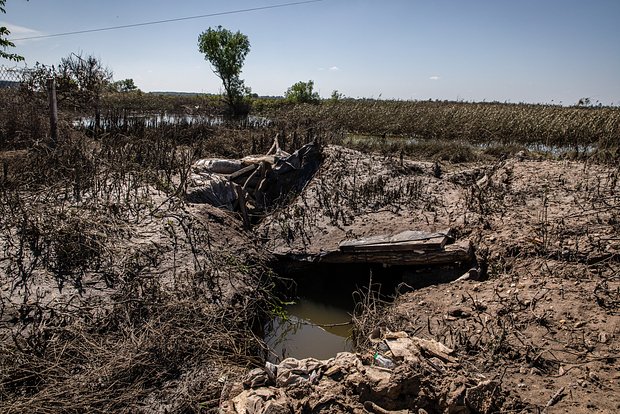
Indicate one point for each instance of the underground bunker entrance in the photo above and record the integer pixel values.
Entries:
(319, 300)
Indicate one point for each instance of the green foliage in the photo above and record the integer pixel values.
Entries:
(302, 92)
(4, 42)
(226, 51)
(123, 86)
(336, 96)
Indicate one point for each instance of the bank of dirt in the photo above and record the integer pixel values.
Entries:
(543, 321)
(128, 298)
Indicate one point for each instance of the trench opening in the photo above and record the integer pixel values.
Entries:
(320, 298)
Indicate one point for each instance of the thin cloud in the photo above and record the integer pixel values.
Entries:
(20, 31)
(334, 68)
(435, 77)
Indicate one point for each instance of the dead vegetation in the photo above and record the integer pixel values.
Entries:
(544, 323)
(119, 296)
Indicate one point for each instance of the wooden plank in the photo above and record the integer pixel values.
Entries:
(408, 240)
(243, 171)
(459, 252)
(364, 241)
(420, 245)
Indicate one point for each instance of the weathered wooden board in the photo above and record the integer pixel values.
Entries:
(409, 240)
(452, 254)
(459, 252)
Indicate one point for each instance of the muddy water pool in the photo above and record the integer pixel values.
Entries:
(321, 300)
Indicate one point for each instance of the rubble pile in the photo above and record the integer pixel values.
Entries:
(404, 375)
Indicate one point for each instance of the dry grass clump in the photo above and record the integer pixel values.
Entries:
(86, 356)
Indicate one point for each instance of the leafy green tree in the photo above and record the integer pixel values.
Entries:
(302, 92)
(123, 86)
(336, 96)
(4, 42)
(226, 51)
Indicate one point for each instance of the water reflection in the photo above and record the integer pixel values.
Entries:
(163, 120)
(318, 322)
(312, 329)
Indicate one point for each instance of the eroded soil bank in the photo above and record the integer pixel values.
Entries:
(126, 298)
(542, 322)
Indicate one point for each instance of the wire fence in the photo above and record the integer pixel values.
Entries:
(11, 77)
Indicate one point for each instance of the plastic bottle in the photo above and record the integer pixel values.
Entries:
(383, 362)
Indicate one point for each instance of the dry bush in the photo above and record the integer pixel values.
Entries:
(23, 121)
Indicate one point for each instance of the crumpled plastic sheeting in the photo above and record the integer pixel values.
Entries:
(293, 371)
(213, 189)
(217, 166)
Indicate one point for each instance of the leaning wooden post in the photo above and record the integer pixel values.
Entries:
(51, 94)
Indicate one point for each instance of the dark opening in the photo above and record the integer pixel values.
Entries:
(320, 300)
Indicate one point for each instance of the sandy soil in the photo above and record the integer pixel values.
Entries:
(545, 320)
(141, 320)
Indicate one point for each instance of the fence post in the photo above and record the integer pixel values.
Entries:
(51, 94)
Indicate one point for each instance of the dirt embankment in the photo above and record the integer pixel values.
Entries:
(545, 323)
(126, 300)
(123, 298)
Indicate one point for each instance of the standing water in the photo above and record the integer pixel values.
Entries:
(317, 321)
(318, 317)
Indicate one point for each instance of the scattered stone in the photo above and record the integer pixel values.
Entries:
(459, 313)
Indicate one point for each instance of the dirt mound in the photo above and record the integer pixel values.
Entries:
(545, 325)
(135, 303)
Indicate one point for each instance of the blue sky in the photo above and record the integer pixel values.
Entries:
(505, 50)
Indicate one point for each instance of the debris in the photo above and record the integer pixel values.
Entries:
(212, 189)
(371, 407)
(262, 179)
(408, 240)
(383, 362)
(292, 371)
(256, 378)
(482, 397)
(432, 347)
(471, 274)
(216, 166)
(259, 401)
(459, 252)
(556, 398)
